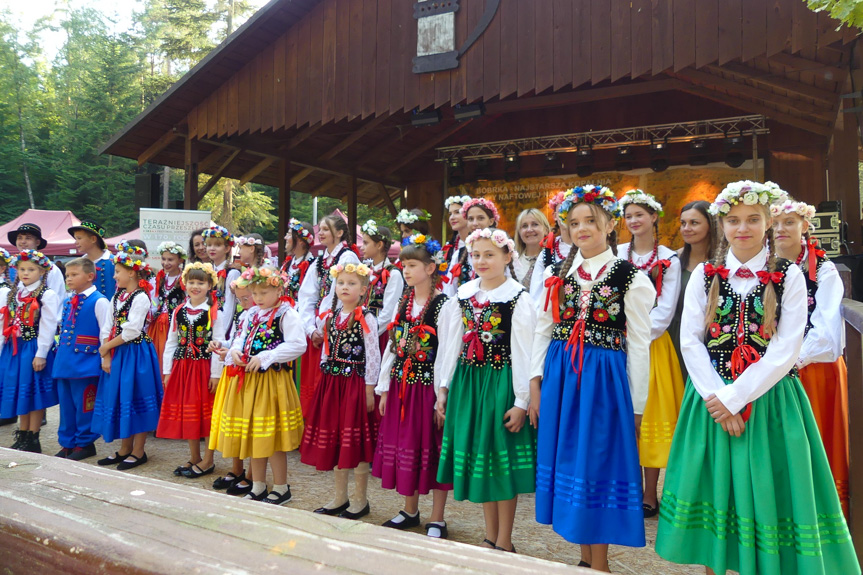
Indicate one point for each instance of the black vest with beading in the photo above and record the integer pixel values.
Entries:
(425, 345)
(493, 324)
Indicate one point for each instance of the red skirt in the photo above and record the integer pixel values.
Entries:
(310, 375)
(384, 339)
(826, 384)
(187, 407)
(340, 431)
(158, 332)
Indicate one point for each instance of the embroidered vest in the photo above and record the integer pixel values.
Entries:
(602, 309)
(489, 328)
(78, 344)
(121, 315)
(324, 272)
(425, 345)
(21, 313)
(811, 288)
(375, 297)
(347, 350)
(168, 300)
(193, 335)
(263, 337)
(733, 312)
(104, 281)
(296, 276)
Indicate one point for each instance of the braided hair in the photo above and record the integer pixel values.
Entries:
(331, 321)
(420, 254)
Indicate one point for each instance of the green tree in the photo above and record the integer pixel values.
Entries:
(240, 209)
(848, 11)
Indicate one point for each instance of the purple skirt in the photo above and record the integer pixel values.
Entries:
(408, 449)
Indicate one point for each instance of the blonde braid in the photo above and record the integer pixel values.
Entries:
(769, 298)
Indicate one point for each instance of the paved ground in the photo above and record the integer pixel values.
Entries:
(311, 489)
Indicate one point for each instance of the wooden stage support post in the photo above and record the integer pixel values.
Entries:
(284, 205)
(62, 516)
(852, 312)
(352, 209)
(190, 164)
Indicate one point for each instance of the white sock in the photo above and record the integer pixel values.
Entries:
(280, 489)
(361, 484)
(341, 489)
(401, 518)
(435, 528)
(258, 487)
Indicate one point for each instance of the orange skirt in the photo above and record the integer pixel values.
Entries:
(158, 332)
(826, 384)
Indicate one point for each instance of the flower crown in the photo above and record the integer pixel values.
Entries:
(802, 209)
(297, 226)
(497, 237)
(125, 247)
(407, 217)
(359, 269)
(555, 201)
(747, 193)
(207, 268)
(172, 247)
(34, 256)
(590, 194)
(246, 241)
(138, 264)
(487, 204)
(643, 198)
(220, 233)
(460, 200)
(431, 245)
(370, 228)
(264, 275)
(4, 255)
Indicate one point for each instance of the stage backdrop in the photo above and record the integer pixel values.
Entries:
(674, 188)
(159, 226)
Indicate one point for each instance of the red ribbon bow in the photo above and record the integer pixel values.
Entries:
(324, 316)
(421, 330)
(662, 265)
(393, 323)
(403, 388)
(552, 295)
(238, 372)
(767, 277)
(710, 270)
(145, 285)
(548, 241)
(384, 277)
(814, 254)
(360, 316)
(11, 330)
(73, 307)
(474, 348)
(576, 341)
(288, 300)
(455, 272)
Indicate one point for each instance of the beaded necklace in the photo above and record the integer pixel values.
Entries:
(586, 276)
(652, 259)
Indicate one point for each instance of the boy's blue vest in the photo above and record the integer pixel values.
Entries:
(104, 282)
(78, 347)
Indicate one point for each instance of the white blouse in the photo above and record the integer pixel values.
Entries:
(666, 304)
(173, 342)
(451, 332)
(308, 305)
(638, 302)
(781, 354)
(48, 316)
(372, 348)
(294, 340)
(450, 287)
(392, 293)
(826, 338)
(138, 311)
(537, 281)
(170, 283)
(226, 315)
(57, 284)
(450, 312)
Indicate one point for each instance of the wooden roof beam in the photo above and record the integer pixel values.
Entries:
(301, 175)
(211, 159)
(354, 137)
(327, 184)
(426, 146)
(388, 201)
(774, 81)
(256, 170)
(214, 179)
(800, 64)
(303, 136)
(380, 148)
(156, 147)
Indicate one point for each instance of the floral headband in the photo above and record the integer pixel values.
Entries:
(643, 198)
(407, 217)
(173, 248)
(590, 194)
(245, 241)
(370, 228)
(497, 237)
(747, 193)
(125, 247)
(266, 275)
(555, 201)
(802, 209)
(297, 226)
(359, 269)
(482, 202)
(460, 200)
(431, 245)
(34, 256)
(132, 262)
(220, 233)
(4, 255)
(207, 268)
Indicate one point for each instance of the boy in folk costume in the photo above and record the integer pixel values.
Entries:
(90, 243)
(29, 237)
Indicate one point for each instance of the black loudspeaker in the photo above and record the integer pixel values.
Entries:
(148, 191)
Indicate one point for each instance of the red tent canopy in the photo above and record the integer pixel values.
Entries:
(54, 224)
(130, 235)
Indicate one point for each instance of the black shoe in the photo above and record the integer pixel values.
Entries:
(195, 472)
(649, 510)
(123, 466)
(31, 443)
(44, 420)
(444, 533)
(20, 436)
(8, 421)
(408, 523)
(361, 513)
(113, 459)
(584, 564)
(237, 489)
(506, 550)
(335, 511)
(260, 497)
(63, 453)
(228, 480)
(275, 499)
(81, 453)
(181, 468)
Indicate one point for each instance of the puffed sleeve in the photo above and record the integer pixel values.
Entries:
(782, 351)
(544, 327)
(450, 333)
(240, 336)
(170, 346)
(103, 314)
(666, 304)
(48, 320)
(138, 310)
(825, 340)
(537, 280)
(293, 345)
(307, 299)
(57, 283)
(698, 364)
(105, 329)
(392, 295)
(638, 301)
(373, 350)
(523, 322)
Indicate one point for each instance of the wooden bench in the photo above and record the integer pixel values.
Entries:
(60, 516)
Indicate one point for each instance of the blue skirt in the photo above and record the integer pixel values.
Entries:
(128, 399)
(23, 390)
(588, 480)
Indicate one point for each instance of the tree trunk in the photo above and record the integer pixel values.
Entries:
(228, 204)
(24, 157)
(230, 20)
(166, 186)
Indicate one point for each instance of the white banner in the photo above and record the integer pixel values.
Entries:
(159, 226)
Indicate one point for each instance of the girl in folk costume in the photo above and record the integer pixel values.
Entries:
(406, 458)
(555, 246)
(219, 243)
(340, 426)
(748, 486)
(698, 230)
(822, 368)
(589, 384)
(531, 230)
(386, 284)
(130, 390)
(454, 249)
(487, 452)
(316, 296)
(251, 251)
(415, 221)
(479, 214)
(168, 293)
(191, 371)
(30, 319)
(298, 245)
(641, 212)
(257, 411)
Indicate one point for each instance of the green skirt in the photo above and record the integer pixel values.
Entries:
(763, 503)
(479, 456)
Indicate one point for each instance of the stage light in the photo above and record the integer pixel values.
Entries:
(623, 163)
(659, 156)
(698, 153)
(511, 166)
(419, 119)
(468, 112)
(584, 161)
(455, 171)
(483, 170)
(553, 164)
(734, 154)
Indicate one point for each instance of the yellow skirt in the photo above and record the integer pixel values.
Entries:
(664, 395)
(257, 416)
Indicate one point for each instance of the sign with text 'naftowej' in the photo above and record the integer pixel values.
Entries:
(159, 226)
